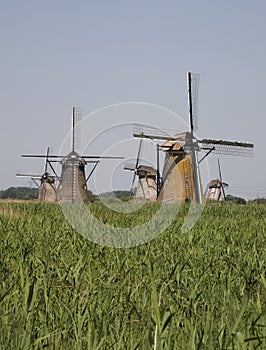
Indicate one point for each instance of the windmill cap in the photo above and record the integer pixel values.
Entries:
(147, 169)
(73, 156)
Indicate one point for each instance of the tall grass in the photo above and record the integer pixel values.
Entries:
(205, 289)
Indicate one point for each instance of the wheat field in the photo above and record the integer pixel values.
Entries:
(205, 289)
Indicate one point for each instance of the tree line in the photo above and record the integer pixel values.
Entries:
(28, 193)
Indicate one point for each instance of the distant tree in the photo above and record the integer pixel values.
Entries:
(236, 200)
(122, 195)
(19, 193)
(28, 193)
(257, 201)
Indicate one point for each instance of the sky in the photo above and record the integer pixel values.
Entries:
(133, 57)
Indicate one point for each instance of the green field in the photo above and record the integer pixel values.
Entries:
(205, 289)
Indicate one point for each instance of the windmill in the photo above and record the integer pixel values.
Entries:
(147, 178)
(181, 175)
(72, 183)
(216, 187)
(47, 190)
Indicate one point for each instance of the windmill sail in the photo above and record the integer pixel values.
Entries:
(228, 147)
(136, 166)
(193, 84)
(76, 118)
(193, 88)
(149, 132)
(223, 197)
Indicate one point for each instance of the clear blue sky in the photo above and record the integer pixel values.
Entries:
(59, 54)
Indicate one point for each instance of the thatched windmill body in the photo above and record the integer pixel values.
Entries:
(146, 187)
(147, 179)
(216, 187)
(73, 183)
(181, 176)
(47, 190)
(45, 183)
(147, 183)
(177, 178)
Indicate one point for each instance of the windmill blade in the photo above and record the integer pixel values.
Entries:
(92, 171)
(220, 172)
(220, 175)
(40, 156)
(149, 132)
(53, 170)
(130, 167)
(36, 183)
(45, 156)
(61, 157)
(228, 147)
(102, 157)
(136, 165)
(193, 89)
(76, 118)
(133, 182)
(29, 175)
(192, 145)
(158, 176)
(221, 180)
(46, 160)
(139, 152)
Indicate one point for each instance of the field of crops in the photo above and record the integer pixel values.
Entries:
(204, 289)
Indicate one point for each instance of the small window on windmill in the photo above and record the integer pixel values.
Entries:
(166, 181)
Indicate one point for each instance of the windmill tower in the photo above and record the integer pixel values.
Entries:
(72, 184)
(181, 176)
(178, 176)
(147, 178)
(216, 187)
(47, 190)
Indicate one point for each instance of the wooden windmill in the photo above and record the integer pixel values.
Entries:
(72, 184)
(216, 187)
(147, 178)
(181, 176)
(47, 189)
